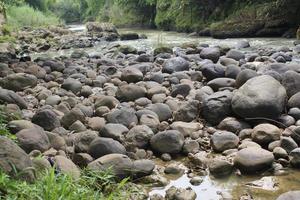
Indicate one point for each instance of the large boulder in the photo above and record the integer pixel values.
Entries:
(10, 97)
(262, 96)
(33, 139)
(175, 65)
(292, 195)
(170, 141)
(216, 107)
(14, 160)
(103, 146)
(18, 81)
(253, 160)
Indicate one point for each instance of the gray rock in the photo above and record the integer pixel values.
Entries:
(262, 96)
(66, 166)
(235, 54)
(253, 160)
(220, 168)
(10, 97)
(69, 118)
(187, 112)
(162, 110)
(292, 195)
(139, 136)
(294, 101)
(264, 134)
(33, 139)
(72, 85)
(130, 92)
(108, 101)
(216, 107)
(103, 146)
(224, 140)
(211, 53)
(131, 75)
(176, 64)
(212, 71)
(291, 82)
(114, 131)
(244, 76)
(18, 81)
(82, 140)
(218, 83)
(233, 125)
(170, 141)
(14, 160)
(142, 168)
(125, 116)
(47, 119)
(180, 194)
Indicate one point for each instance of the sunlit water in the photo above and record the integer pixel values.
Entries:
(210, 188)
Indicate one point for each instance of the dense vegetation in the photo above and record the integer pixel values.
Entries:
(247, 16)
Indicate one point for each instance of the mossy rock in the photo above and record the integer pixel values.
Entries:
(159, 50)
(234, 29)
(126, 49)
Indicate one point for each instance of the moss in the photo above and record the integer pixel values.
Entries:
(7, 38)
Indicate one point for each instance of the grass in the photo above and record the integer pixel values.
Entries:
(21, 16)
(52, 186)
(3, 126)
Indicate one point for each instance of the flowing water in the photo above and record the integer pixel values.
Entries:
(271, 186)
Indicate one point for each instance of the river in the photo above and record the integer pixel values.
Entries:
(210, 188)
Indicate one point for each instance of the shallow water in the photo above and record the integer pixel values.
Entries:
(157, 38)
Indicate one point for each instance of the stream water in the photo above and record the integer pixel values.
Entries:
(271, 186)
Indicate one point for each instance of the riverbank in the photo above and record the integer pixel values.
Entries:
(221, 118)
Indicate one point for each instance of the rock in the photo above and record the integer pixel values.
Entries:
(108, 101)
(262, 96)
(176, 64)
(47, 119)
(82, 159)
(103, 146)
(18, 81)
(72, 85)
(33, 139)
(82, 140)
(69, 118)
(129, 36)
(77, 126)
(288, 144)
(8, 96)
(96, 123)
(142, 168)
(292, 195)
(294, 101)
(253, 160)
(233, 125)
(280, 153)
(186, 128)
(17, 125)
(235, 54)
(243, 44)
(223, 140)
(57, 142)
(170, 141)
(162, 110)
(66, 166)
(264, 134)
(216, 107)
(291, 82)
(211, 53)
(181, 89)
(130, 92)
(125, 116)
(220, 168)
(174, 193)
(120, 165)
(139, 136)
(174, 169)
(197, 180)
(114, 131)
(232, 71)
(100, 27)
(212, 71)
(187, 112)
(295, 158)
(244, 76)
(131, 75)
(126, 49)
(218, 83)
(190, 146)
(14, 161)
(160, 50)
(53, 100)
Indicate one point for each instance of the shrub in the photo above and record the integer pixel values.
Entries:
(25, 15)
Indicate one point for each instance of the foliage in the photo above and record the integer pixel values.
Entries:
(20, 16)
(52, 186)
(3, 125)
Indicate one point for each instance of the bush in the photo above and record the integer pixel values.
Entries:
(22, 16)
